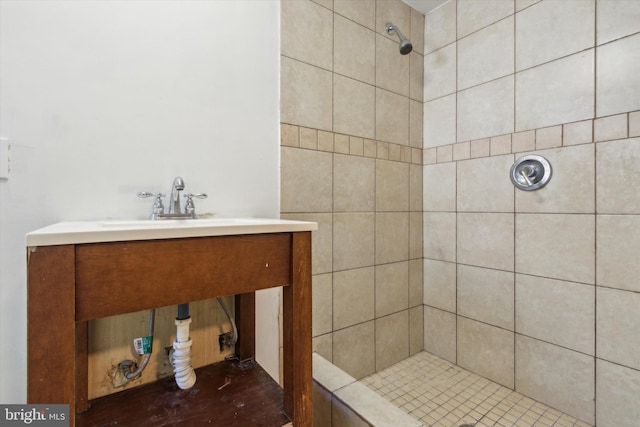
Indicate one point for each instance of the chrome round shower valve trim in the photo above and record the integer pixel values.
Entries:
(530, 173)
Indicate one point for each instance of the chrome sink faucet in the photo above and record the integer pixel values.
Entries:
(175, 210)
(174, 200)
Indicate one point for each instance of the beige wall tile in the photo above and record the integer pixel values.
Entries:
(617, 389)
(618, 176)
(618, 238)
(440, 72)
(522, 4)
(523, 141)
(618, 65)
(306, 95)
(430, 156)
(416, 115)
(392, 68)
(417, 31)
(634, 124)
(486, 55)
(500, 145)
(416, 282)
(356, 146)
(474, 15)
(323, 345)
(383, 150)
(415, 187)
(618, 317)
(354, 50)
(440, 27)
(392, 117)
(440, 187)
(480, 148)
(617, 19)
(306, 181)
(354, 183)
(556, 246)
(308, 138)
(440, 284)
(462, 151)
(353, 297)
(440, 236)
(577, 133)
(354, 349)
(486, 350)
(416, 75)
(550, 30)
(392, 237)
(363, 11)
(483, 185)
(395, 153)
(486, 110)
(353, 240)
(572, 185)
(321, 240)
(485, 240)
(556, 92)
(392, 186)
(486, 295)
(416, 330)
(556, 376)
(440, 122)
(322, 304)
(549, 137)
(392, 288)
(557, 312)
(325, 141)
(306, 33)
(353, 108)
(609, 128)
(415, 235)
(391, 346)
(341, 143)
(445, 153)
(289, 135)
(370, 148)
(440, 333)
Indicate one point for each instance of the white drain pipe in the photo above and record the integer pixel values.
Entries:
(181, 355)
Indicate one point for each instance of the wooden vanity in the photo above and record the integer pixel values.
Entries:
(81, 277)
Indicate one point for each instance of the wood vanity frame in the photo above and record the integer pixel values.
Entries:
(68, 285)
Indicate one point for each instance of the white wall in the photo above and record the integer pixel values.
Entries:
(102, 99)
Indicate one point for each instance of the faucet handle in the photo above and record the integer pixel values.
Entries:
(145, 194)
(158, 206)
(189, 207)
(197, 195)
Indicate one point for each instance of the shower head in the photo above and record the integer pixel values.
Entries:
(405, 44)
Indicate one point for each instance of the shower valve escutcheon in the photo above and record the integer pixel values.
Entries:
(175, 209)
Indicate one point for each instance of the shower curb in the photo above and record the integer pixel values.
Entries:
(365, 403)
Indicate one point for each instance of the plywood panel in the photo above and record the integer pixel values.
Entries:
(111, 341)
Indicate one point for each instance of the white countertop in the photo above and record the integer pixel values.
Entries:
(65, 233)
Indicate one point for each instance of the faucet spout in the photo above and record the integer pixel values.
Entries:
(174, 201)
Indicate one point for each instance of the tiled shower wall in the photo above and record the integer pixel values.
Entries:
(539, 291)
(351, 159)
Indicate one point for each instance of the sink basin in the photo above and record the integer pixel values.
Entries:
(64, 233)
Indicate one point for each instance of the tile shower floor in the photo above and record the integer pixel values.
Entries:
(441, 394)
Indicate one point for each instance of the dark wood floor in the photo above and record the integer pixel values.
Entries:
(249, 398)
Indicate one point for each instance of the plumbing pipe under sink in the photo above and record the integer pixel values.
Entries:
(181, 353)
